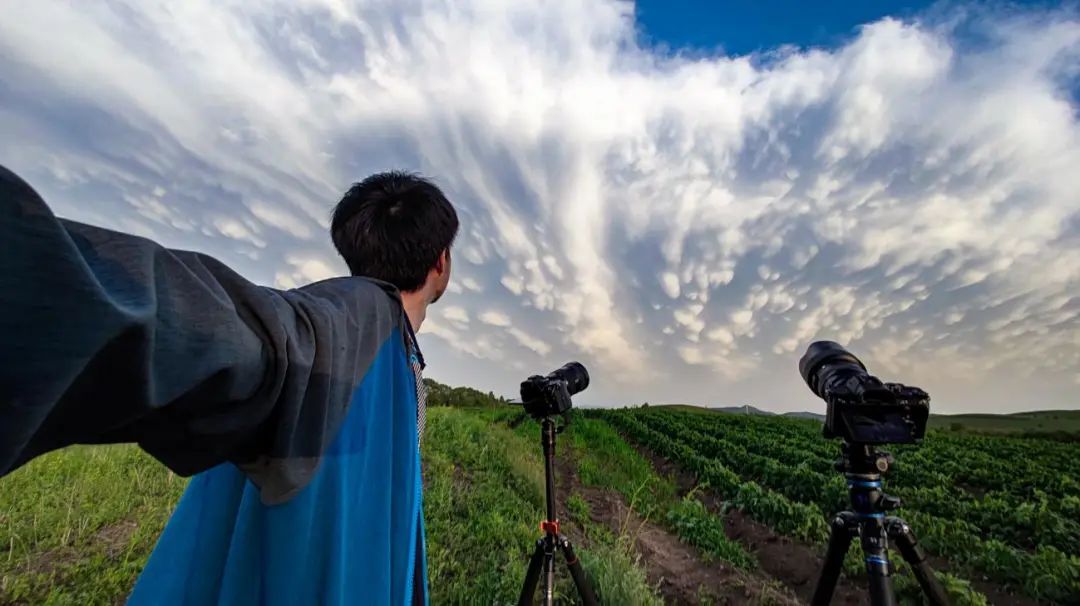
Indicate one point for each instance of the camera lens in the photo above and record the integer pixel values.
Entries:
(575, 375)
(823, 361)
(828, 367)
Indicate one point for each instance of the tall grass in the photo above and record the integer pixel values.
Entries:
(76, 526)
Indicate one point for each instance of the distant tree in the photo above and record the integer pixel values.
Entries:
(444, 395)
(955, 426)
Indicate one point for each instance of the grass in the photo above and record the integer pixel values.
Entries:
(482, 501)
(610, 560)
(605, 460)
(76, 526)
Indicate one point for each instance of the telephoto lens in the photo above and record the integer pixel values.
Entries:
(575, 375)
(825, 359)
(830, 371)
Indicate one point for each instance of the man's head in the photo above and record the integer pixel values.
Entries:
(397, 227)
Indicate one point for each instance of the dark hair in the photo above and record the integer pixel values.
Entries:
(393, 226)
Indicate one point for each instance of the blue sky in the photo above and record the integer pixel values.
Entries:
(682, 220)
(742, 27)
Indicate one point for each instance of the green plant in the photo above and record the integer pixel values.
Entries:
(697, 526)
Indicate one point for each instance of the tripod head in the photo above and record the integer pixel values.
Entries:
(863, 459)
(864, 465)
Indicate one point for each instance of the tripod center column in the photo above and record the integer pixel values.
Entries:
(547, 438)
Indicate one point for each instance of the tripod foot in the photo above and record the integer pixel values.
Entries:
(913, 554)
(588, 598)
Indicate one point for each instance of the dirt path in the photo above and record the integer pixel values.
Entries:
(677, 569)
(794, 564)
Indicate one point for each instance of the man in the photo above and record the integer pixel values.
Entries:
(299, 410)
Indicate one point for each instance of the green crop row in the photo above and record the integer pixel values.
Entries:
(787, 517)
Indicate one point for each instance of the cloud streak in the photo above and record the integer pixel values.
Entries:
(683, 225)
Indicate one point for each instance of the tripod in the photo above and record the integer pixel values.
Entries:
(544, 555)
(863, 467)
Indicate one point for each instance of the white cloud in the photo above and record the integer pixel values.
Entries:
(906, 183)
(456, 314)
(231, 228)
(721, 334)
(480, 347)
(691, 354)
(495, 318)
(670, 282)
(281, 219)
(306, 269)
(530, 342)
(513, 284)
(473, 255)
(742, 317)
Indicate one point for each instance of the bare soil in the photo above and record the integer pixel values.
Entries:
(794, 564)
(678, 570)
(113, 539)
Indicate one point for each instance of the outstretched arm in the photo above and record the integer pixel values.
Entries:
(107, 337)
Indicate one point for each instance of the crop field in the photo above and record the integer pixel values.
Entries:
(664, 505)
(1002, 511)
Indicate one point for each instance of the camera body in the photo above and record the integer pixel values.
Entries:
(547, 396)
(861, 408)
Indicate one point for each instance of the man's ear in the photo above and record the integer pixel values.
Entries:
(442, 262)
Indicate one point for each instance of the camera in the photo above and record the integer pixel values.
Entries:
(550, 395)
(861, 408)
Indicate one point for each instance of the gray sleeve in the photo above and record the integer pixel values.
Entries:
(107, 337)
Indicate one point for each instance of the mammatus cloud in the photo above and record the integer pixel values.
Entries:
(684, 226)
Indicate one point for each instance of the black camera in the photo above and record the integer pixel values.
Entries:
(861, 408)
(549, 396)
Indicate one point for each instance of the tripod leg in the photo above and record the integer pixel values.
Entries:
(584, 590)
(913, 554)
(878, 569)
(532, 575)
(840, 535)
(881, 588)
(549, 573)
